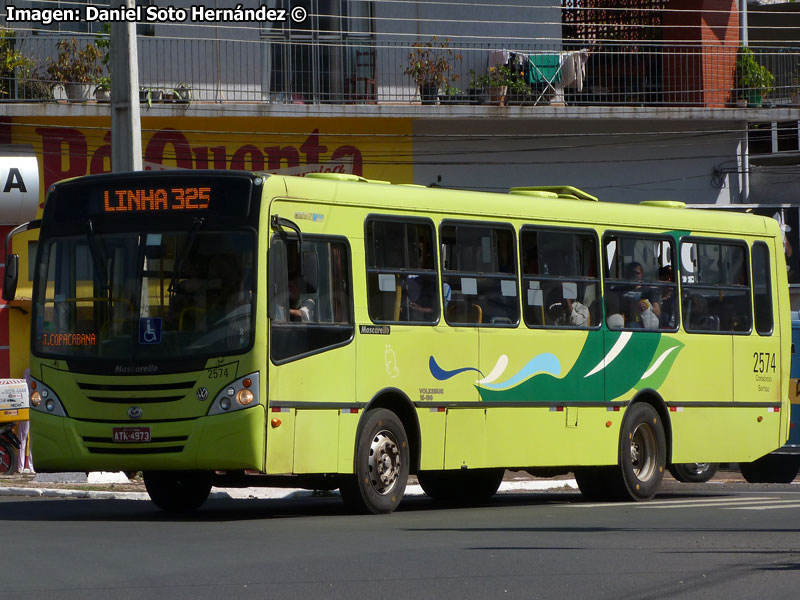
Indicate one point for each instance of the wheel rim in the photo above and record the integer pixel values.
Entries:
(698, 468)
(384, 462)
(643, 452)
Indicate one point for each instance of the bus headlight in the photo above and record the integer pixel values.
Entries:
(244, 397)
(244, 391)
(45, 400)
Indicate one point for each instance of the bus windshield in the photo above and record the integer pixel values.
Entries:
(144, 295)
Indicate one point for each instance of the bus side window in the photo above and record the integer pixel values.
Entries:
(762, 289)
(402, 280)
(479, 280)
(310, 305)
(560, 278)
(641, 288)
(716, 290)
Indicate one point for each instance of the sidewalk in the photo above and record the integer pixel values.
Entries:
(116, 486)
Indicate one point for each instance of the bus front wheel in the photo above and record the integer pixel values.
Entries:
(177, 491)
(381, 465)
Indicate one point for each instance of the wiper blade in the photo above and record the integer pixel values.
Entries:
(184, 254)
(98, 256)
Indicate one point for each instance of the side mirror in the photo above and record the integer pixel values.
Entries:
(10, 279)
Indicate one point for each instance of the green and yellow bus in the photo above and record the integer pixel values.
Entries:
(228, 328)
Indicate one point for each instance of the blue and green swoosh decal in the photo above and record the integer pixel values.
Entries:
(633, 361)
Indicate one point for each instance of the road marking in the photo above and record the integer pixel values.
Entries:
(677, 503)
(724, 503)
(780, 504)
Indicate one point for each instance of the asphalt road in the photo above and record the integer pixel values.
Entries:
(723, 540)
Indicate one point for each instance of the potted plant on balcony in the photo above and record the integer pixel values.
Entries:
(76, 69)
(10, 61)
(102, 92)
(431, 66)
(183, 93)
(504, 85)
(755, 80)
(102, 41)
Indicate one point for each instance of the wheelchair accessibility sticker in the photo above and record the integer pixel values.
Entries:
(150, 330)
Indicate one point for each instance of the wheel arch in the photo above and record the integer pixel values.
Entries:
(654, 399)
(399, 403)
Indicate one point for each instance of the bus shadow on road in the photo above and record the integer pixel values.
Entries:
(244, 509)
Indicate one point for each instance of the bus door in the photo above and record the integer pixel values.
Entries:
(312, 357)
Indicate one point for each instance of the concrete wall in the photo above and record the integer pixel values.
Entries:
(617, 161)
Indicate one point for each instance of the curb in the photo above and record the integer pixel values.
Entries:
(507, 487)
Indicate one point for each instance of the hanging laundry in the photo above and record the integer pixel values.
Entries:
(545, 68)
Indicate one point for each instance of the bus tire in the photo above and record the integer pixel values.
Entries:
(642, 452)
(381, 465)
(693, 472)
(463, 486)
(177, 491)
(772, 468)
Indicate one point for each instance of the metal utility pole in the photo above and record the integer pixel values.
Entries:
(126, 128)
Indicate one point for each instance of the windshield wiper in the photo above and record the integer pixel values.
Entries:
(98, 256)
(184, 254)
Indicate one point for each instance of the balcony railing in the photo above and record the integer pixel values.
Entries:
(366, 71)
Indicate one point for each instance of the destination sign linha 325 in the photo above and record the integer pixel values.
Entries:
(155, 200)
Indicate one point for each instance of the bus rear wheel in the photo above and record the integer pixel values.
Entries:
(177, 491)
(463, 486)
(381, 465)
(642, 452)
(693, 472)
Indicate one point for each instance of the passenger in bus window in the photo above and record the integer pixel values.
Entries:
(420, 298)
(669, 312)
(642, 307)
(699, 317)
(566, 311)
(299, 309)
(614, 318)
(730, 319)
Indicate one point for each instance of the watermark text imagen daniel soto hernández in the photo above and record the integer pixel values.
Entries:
(154, 14)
